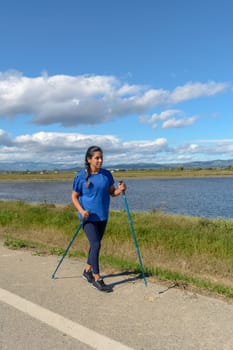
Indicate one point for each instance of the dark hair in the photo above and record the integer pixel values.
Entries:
(89, 154)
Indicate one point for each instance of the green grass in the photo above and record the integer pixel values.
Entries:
(122, 174)
(192, 250)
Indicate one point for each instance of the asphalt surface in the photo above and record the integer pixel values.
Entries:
(38, 312)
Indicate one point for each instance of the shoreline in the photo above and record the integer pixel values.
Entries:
(118, 175)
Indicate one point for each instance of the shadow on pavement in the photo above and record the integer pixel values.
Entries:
(124, 280)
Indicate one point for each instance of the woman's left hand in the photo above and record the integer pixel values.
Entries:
(122, 186)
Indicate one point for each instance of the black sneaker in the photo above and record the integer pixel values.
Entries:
(101, 286)
(87, 275)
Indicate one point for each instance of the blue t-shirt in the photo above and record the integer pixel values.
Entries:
(95, 197)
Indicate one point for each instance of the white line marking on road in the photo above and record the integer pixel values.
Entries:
(75, 330)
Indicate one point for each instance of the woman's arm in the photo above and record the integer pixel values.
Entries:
(76, 203)
(114, 192)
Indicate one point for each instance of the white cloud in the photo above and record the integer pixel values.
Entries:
(196, 90)
(159, 117)
(68, 149)
(76, 100)
(179, 123)
(188, 149)
(168, 119)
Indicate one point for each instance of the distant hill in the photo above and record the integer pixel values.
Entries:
(31, 166)
(200, 164)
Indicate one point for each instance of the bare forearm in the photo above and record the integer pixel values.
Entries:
(117, 192)
(76, 203)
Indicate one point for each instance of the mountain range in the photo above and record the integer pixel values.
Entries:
(31, 166)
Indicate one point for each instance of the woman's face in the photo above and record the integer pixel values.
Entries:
(96, 161)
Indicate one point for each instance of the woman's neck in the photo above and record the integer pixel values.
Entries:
(95, 171)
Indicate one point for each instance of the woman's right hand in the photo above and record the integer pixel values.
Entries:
(85, 214)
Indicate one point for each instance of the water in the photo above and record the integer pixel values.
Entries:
(206, 197)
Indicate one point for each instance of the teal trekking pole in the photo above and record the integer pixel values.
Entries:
(67, 249)
(134, 237)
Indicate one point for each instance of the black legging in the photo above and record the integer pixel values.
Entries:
(94, 231)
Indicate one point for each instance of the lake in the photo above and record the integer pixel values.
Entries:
(206, 197)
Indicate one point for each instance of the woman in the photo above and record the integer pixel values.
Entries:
(91, 193)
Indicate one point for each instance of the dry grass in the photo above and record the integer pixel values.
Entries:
(122, 174)
(170, 245)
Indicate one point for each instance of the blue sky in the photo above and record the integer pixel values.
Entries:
(147, 80)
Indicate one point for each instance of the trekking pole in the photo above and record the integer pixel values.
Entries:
(134, 237)
(68, 247)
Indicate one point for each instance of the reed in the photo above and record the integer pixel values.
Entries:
(193, 250)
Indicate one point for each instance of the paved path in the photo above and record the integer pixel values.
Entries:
(37, 312)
